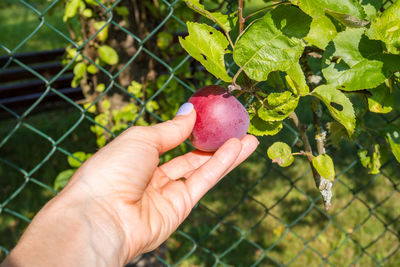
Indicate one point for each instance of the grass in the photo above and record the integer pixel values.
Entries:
(259, 214)
(19, 21)
(26, 149)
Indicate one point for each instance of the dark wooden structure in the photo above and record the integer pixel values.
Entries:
(20, 88)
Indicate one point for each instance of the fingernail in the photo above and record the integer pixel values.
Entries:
(185, 109)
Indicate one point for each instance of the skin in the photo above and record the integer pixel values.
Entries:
(121, 203)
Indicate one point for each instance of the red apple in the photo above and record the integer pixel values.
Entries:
(220, 116)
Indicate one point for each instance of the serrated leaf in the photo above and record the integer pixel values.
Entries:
(291, 21)
(226, 22)
(355, 70)
(381, 101)
(393, 138)
(278, 106)
(62, 179)
(317, 8)
(338, 105)
(281, 154)
(324, 165)
(371, 7)
(260, 127)
(71, 7)
(387, 28)
(108, 54)
(263, 48)
(208, 46)
(77, 160)
(296, 80)
(322, 31)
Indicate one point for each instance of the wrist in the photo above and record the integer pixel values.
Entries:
(71, 231)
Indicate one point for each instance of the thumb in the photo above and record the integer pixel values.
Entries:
(170, 134)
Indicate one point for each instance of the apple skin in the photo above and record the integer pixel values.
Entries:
(220, 116)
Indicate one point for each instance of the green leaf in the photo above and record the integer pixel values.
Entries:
(164, 40)
(93, 2)
(123, 11)
(263, 48)
(79, 70)
(372, 164)
(296, 80)
(278, 106)
(100, 87)
(108, 54)
(92, 69)
(208, 46)
(103, 34)
(135, 88)
(381, 101)
(71, 7)
(87, 12)
(371, 7)
(322, 31)
(291, 21)
(77, 160)
(260, 127)
(317, 8)
(92, 108)
(106, 104)
(337, 133)
(393, 138)
(226, 22)
(387, 28)
(62, 179)
(348, 20)
(338, 105)
(324, 165)
(354, 70)
(101, 141)
(280, 153)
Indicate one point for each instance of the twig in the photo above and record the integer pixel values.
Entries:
(320, 182)
(303, 153)
(325, 186)
(241, 19)
(71, 32)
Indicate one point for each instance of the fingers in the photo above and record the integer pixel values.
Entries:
(207, 175)
(164, 136)
(249, 145)
(227, 157)
(173, 132)
(179, 166)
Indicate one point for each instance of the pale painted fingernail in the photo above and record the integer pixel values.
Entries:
(185, 109)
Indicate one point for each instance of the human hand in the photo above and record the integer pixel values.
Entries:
(126, 202)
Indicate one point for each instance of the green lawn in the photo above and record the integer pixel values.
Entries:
(260, 213)
(22, 27)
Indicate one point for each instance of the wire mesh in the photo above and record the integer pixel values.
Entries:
(260, 215)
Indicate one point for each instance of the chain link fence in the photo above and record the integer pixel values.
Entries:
(260, 215)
